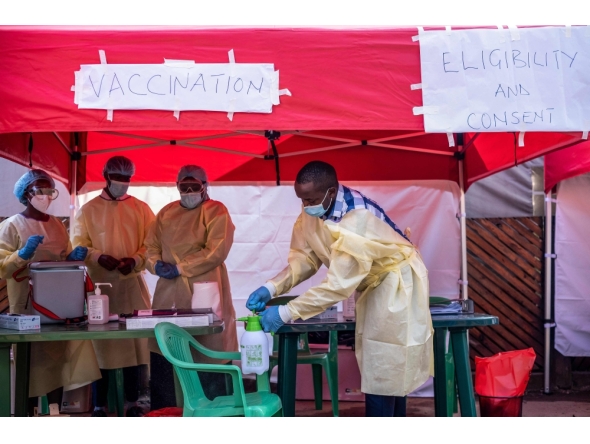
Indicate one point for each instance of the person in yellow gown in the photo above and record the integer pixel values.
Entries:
(32, 236)
(365, 251)
(113, 226)
(189, 243)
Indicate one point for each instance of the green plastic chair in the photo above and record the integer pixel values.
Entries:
(328, 361)
(175, 344)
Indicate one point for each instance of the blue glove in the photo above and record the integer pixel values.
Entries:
(271, 319)
(77, 254)
(166, 270)
(258, 299)
(28, 251)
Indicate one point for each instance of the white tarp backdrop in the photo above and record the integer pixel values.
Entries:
(264, 217)
(572, 279)
(525, 79)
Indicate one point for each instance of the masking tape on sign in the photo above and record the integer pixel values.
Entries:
(415, 38)
(414, 86)
(501, 29)
(521, 138)
(448, 30)
(568, 31)
(419, 110)
(102, 56)
(451, 139)
(514, 33)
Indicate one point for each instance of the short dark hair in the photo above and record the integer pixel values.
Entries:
(321, 174)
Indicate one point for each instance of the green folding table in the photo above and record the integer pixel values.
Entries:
(60, 332)
(451, 358)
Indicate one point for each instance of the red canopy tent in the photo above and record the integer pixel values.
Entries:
(566, 163)
(351, 104)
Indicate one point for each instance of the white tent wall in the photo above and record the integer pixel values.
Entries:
(10, 172)
(264, 216)
(572, 279)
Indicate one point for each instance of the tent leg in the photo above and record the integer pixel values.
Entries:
(73, 185)
(464, 283)
(548, 294)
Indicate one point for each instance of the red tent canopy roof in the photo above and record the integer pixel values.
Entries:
(347, 84)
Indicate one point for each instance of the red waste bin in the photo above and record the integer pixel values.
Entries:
(165, 412)
(501, 380)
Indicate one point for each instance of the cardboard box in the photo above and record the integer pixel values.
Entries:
(137, 323)
(20, 322)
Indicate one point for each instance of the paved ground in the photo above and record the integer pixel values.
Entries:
(535, 404)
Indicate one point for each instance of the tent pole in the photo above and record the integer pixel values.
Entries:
(548, 294)
(73, 181)
(462, 218)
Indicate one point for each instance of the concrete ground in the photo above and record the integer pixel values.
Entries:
(535, 404)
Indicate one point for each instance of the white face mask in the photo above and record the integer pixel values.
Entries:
(41, 203)
(118, 189)
(191, 200)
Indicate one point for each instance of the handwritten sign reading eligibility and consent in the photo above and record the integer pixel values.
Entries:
(530, 79)
(229, 87)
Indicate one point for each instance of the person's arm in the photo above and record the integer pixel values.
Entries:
(303, 264)
(10, 261)
(82, 237)
(153, 246)
(140, 255)
(220, 237)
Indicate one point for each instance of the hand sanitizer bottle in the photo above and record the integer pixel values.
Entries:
(254, 347)
(98, 306)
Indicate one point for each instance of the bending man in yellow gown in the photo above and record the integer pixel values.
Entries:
(113, 227)
(365, 251)
(189, 243)
(33, 236)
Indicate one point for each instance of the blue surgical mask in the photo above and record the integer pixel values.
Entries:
(118, 189)
(318, 210)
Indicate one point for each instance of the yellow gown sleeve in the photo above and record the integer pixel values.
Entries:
(303, 262)
(153, 246)
(10, 261)
(81, 237)
(220, 237)
(140, 255)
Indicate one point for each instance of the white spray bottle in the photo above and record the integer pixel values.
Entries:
(254, 347)
(98, 306)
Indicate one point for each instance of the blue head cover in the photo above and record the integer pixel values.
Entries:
(192, 171)
(119, 165)
(27, 179)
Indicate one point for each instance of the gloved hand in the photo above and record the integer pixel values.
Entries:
(166, 270)
(126, 265)
(271, 319)
(28, 251)
(108, 262)
(77, 254)
(258, 299)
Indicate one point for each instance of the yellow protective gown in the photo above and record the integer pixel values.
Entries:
(393, 325)
(198, 241)
(67, 364)
(117, 228)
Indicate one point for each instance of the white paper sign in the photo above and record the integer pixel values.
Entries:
(178, 86)
(526, 79)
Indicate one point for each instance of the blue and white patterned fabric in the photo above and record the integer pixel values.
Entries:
(348, 199)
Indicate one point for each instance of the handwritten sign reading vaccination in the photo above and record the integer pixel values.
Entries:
(229, 87)
(530, 79)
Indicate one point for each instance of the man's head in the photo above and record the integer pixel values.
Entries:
(119, 169)
(316, 184)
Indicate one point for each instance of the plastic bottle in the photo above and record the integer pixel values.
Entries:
(254, 347)
(98, 306)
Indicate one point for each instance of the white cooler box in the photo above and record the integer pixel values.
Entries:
(349, 377)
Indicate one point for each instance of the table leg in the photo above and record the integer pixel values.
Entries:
(5, 379)
(443, 379)
(23, 363)
(463, 371)
(287, 372)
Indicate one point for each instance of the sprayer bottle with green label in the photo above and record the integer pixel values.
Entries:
(254, 346)
(98, 306)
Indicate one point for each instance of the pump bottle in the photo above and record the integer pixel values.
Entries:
(254, 347)
(98, 306)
